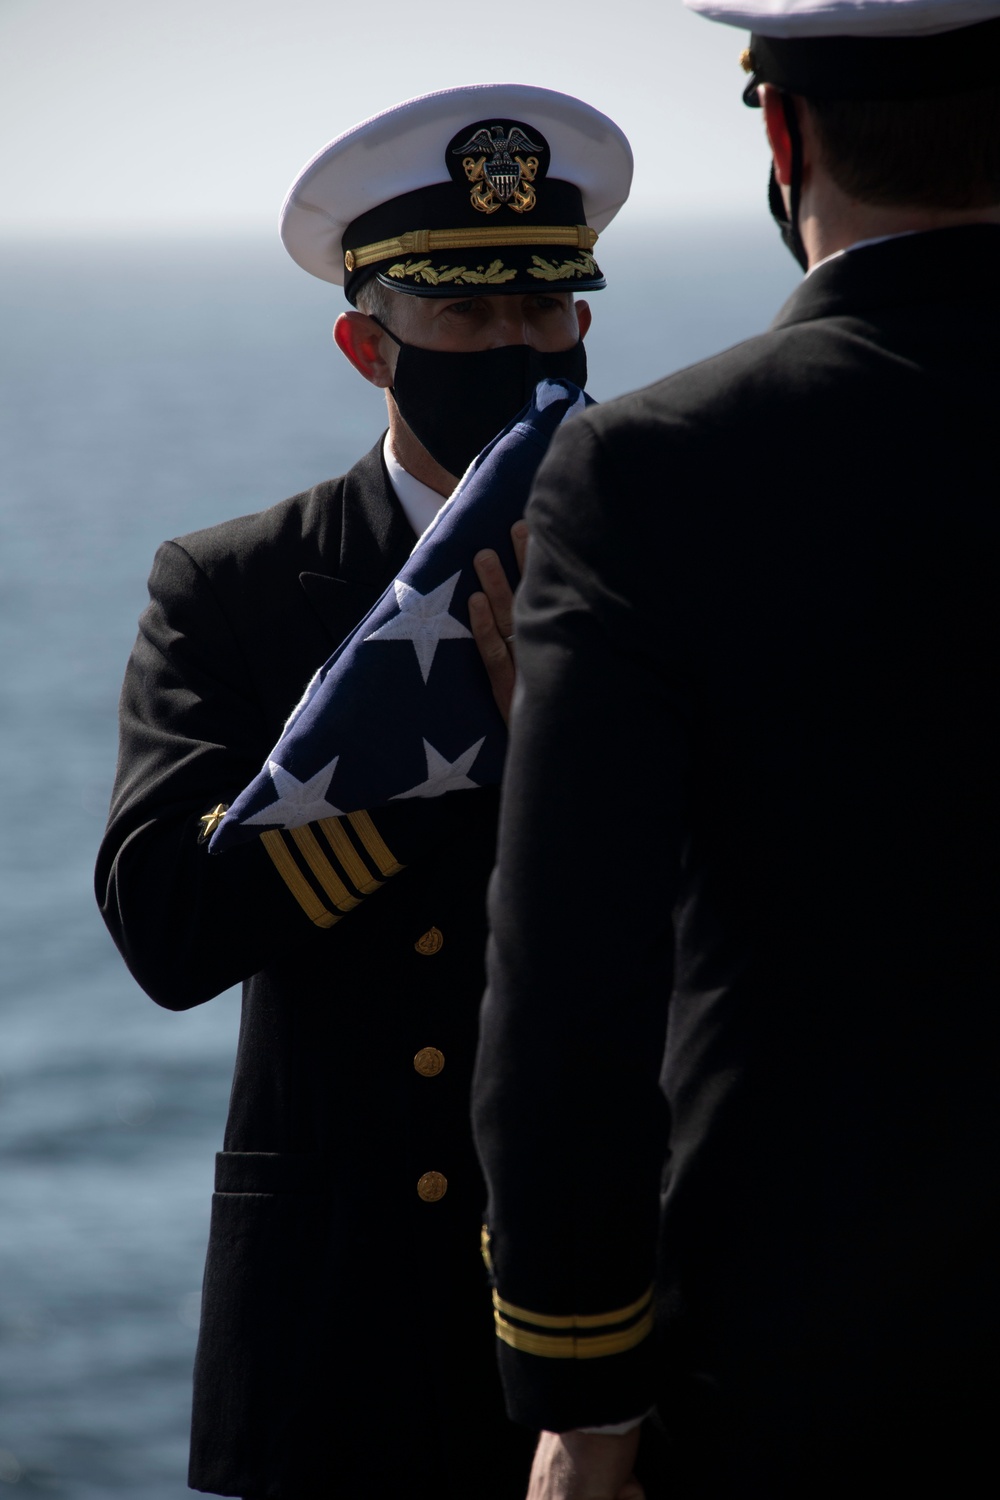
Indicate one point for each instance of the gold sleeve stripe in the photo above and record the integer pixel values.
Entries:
(349, 859)
(550, 1346)
(573, 1320)
(295, 880)
(374, 844)
(308, 846)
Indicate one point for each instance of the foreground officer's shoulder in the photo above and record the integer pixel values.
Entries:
(721, 389)
(260, 532)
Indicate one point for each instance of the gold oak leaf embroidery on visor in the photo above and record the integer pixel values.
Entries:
(574, 1336)
(545, 270)
(494, 274)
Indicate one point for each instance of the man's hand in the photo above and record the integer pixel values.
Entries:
(585, 1466)
(491, 615)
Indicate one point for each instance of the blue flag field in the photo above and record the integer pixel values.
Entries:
(403, 708)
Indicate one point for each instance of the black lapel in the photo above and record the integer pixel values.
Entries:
(376, 540)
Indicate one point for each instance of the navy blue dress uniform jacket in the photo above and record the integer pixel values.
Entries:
(746, 942)
(346, 1339)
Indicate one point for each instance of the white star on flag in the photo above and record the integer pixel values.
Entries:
(442, 775)
(298, 801)
(424, 620)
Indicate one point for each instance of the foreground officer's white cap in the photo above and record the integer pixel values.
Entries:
(872, 18)
(865, 49)
(494, 187)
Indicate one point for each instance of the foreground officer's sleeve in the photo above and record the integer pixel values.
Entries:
(570, 1122)
(195, 725)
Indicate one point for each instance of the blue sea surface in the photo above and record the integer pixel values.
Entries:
(148, 388)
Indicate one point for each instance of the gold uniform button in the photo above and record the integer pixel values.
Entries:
(431, 942)
(428, 1062)
(432, 1187)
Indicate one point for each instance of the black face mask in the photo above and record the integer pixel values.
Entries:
(455, 403)
(788, 222)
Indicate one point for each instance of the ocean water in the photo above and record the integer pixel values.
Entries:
(148, 388)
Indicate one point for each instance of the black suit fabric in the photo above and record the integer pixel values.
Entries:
(745, 940)
(346, 1339)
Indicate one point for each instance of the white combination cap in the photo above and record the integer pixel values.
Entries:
(865, 49)
(864, 18)
(493, 187)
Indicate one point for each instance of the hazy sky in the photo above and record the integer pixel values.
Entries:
(187, 114)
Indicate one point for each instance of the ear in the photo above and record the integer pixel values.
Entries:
(583, 317)
(361, 340)
(773, 106)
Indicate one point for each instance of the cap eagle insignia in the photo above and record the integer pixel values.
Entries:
(497, 172)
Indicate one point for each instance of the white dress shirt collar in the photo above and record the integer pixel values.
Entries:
(420, 503)
(878, 239)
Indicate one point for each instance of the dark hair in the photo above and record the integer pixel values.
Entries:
(927, 153)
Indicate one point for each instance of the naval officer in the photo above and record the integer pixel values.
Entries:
(346, 1337)
(745, 940)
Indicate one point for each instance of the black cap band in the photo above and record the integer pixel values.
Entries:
(503, 251)
(851, 67)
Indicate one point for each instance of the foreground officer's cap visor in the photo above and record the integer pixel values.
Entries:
(486, 188)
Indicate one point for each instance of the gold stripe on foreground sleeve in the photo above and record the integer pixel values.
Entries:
(573, 1320)
(347, 856)
(373, 842)
(308, 846)
(551, 1346)
(294, 879)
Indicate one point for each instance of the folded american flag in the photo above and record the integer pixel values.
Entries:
(403, 708)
